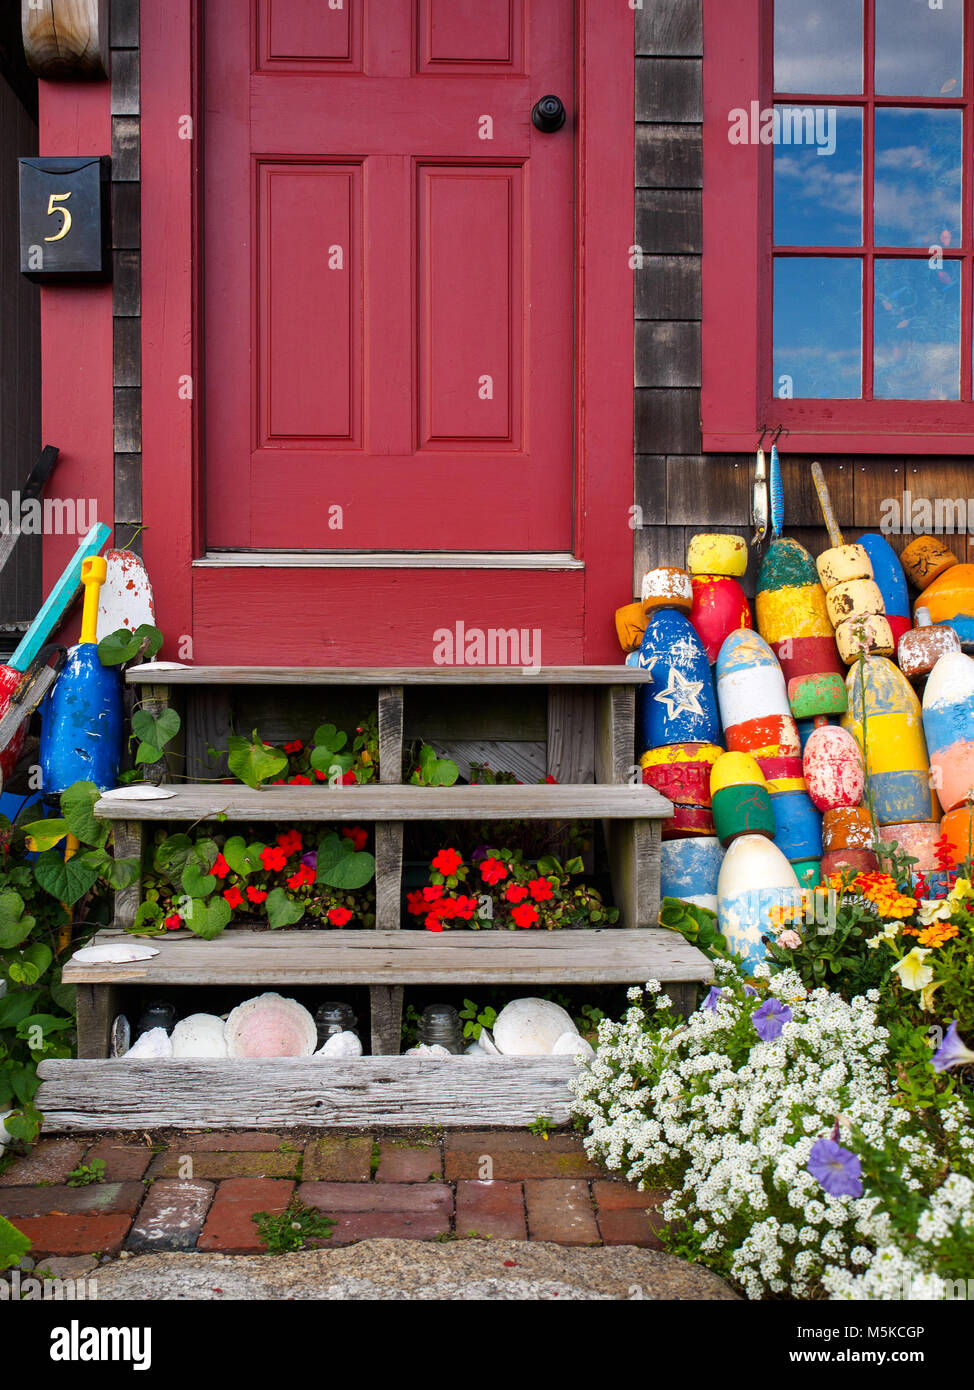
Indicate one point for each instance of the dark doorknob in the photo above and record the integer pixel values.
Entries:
(548, 114)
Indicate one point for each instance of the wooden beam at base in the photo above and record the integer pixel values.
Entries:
(270, 1093)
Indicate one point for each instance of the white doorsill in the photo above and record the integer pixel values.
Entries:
(385, 559)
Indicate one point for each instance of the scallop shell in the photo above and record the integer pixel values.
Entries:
(341, 1045)
(116, 954)
(155, 1043)
(199, 1035)
(270, 1026)
(530, 1027)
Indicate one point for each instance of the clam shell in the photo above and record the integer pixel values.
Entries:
(156, 1043)
(530, 1027)
(270, 1026)
(572, 1045)
(199, 1035)
(116, 954)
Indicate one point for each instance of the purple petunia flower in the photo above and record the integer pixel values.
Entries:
(836, 1169)
(310, 860)
(952, 1052)
(770, 1019)
(711, 1000)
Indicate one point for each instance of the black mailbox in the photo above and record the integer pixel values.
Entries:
(65, 219)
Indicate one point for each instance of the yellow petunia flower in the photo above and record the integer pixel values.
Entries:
(913, 973)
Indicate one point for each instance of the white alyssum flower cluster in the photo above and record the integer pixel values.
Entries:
(728, 1120)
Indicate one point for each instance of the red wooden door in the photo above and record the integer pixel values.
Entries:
(388, 276)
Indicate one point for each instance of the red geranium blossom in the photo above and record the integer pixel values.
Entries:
(349, 779)
(305, 874)
(256, 895)
(515, 892)
(299, 781)
(321, 776)
(357, 835)
(432, 891)
(464, 907)
(492, 870)
(525, 915)
(338, 916)
(445, 907)
(233, 896)
(416, 903)
(273, 858)
(290, 842)
(294, 746)
(221, 868)
(447, 862)
(540, 890)
(433, 923)
(173, 922)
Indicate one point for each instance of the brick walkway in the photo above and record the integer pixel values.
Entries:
(199, 1191)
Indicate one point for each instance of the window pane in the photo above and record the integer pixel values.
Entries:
(916, 353)
(919, 48)
(818, 46)
(917, 196)
(818, 327)
(818, 177)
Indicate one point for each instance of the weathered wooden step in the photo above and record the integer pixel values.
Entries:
(166, 674)
(383, 802)
(266, 959)
(272, 1093)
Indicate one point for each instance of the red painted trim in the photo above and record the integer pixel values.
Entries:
(345, 617)
(736, 398)
(77, 403)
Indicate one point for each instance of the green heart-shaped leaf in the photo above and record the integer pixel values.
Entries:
(65, 879)
(207, 919)
(147, 918)
(339, 865)
(77, 807)
(282, 911)
(155, 729)
(327, 736)
(197, 883)
(45, 834)
(330, 763)
(172, 855)
(253, 761)
(123, 645)
(243, 859)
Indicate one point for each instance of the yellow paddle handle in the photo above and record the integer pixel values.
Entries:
(93, 572)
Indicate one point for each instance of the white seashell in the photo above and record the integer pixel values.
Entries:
(486, 1041)
(5, 1137)
(140, 792)
(428, 1050)
(341, 1045)
(116, 954)
(199, 1035)
(121, 1036)
(155, 1043)
(530, 1027)
(572, 1045)
(270, 1026)
(474, 1050)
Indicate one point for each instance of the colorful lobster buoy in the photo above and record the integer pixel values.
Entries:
(891, 581)
(717, 554)
(681, 771)
(791, 613)
(950, 599)
(667, 587)
(854, 601)
(741, 800)
(755, 879)
(630, 625)
(847, 827)
(884, 718)
(926, 559)
(919, 649)
(917, 839)
(720, 606)
(678, 706)
(957, 828)
(948, 726)
(690, 868)
(833, 769)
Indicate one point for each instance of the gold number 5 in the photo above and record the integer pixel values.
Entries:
(54, 199)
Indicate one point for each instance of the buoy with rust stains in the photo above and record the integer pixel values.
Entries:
(948, 726)
(918, 839)
(717, 554)
(832, 764)
(846, 827)
(925, 559)
(681, 771)
(884, 718)
(889, 576)
(919, 649)
(689, 869)
(678, 705)
(755, 879)
(790, 610)
(667, 587)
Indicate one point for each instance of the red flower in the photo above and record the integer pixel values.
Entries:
(290, 842)
(540, 890)
(233, 896)
(432, 891)
(552, 780)
(357, 835)
(173, 922)
(221, 868)
(492, 870)
(338, 916)
(447, 862)
(299, 781)
(256, 895)
(303, 875)
(294, 746)
(349, 779)
(433, 923)
(515, 892)
(525, 915)
(446, 907)
(321, 776)
(415, 903)
(273, 858)
(464, 907)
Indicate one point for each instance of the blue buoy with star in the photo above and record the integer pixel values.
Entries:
(679, 706)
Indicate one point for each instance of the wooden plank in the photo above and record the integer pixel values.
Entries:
(128, 839)
(96, 1007)
(669, 221)
(669, 287)
(385, 1008)
(207, 723)
(525, 758)
(355, 957)
(668, 421)
(383, 675)
(655, 546)
(127, 352)
(672, 28)
(125, 149)
(271, 1092)
(390, 733)
(388, 875)
(667, 354)
(126, 216)
(124, 26)
(125, 83)
(669, 89)
(709, 488)
(571, 735)
(126, 284)
(128, 487)
(434, 711)
(194, 802)
(634, 864)
(669, 156)
(650, 491)
(615, 743)
(128, 417)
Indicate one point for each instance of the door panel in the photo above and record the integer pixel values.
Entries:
(388, 275)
